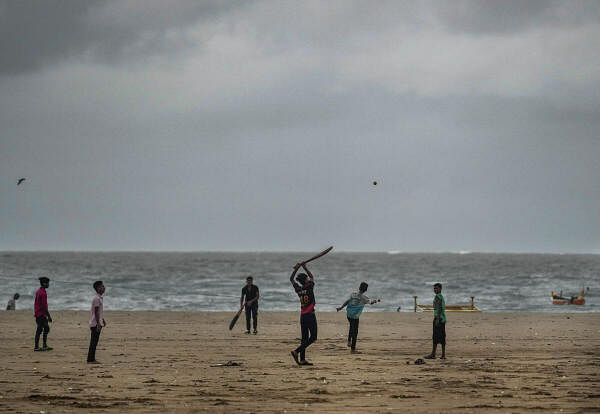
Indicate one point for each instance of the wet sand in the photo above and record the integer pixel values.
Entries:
(162, 362)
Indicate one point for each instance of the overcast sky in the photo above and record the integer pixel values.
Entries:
(261, 125)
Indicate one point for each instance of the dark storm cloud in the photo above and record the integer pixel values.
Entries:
(210, 125)
(511, 16)
(32, 33)
(38, 33)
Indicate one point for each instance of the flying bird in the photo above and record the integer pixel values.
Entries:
(20, 181)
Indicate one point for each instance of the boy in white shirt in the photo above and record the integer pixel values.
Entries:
(356, 302)
(96, 321)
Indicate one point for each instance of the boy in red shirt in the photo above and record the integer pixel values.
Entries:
(42, 316)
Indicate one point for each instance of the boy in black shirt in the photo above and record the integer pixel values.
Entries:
(251, 293)
(308, 320)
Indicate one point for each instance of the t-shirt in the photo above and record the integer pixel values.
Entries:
(11, 305)
(307, 296)
(439, 307)
(97, 302)
(250, 292)
(40, 306)
(356, 303)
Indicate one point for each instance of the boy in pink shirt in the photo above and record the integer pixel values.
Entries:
(96, 321)
(42, 316)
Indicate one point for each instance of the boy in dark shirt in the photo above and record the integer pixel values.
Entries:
(308, 321)
(251, 293)
(439, 322)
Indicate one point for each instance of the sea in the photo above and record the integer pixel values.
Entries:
(212, 281)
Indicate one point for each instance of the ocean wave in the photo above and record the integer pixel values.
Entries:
(213, 281)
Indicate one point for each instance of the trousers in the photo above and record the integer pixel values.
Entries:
(308, 327)
(94, 338)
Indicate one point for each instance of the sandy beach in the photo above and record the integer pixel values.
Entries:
(163, 362)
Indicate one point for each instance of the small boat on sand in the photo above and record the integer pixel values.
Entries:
(449, 308)
(559, 299)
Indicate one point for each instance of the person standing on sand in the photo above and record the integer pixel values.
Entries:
(304, 286)
(96, 321)
(251, 293)
(11, 303)
(356, 302)
(439, 322)
(42, 316)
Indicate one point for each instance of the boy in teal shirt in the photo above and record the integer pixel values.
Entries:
(356, 302)
(439, 322)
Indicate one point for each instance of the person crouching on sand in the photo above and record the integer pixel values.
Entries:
(12, 302)
(356, 302)
(304, 285)
(42, 316)
(96, 321)
(439, 322)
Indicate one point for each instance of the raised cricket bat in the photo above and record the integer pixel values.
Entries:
(323, 253)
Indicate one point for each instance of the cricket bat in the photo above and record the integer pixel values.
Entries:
(236, 317)
(323, 253)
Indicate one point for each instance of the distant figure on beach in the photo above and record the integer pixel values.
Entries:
(356, 302)
(439, 322)
(304, 286)
(11, 303)
(42, 316)
(251, 294)
(96, 321)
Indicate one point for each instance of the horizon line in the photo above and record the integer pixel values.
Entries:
(390, 252)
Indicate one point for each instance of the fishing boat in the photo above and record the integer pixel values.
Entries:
(559, 299)
(449, 308)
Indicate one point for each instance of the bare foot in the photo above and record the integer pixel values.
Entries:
(443, 357)
(430, 356)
